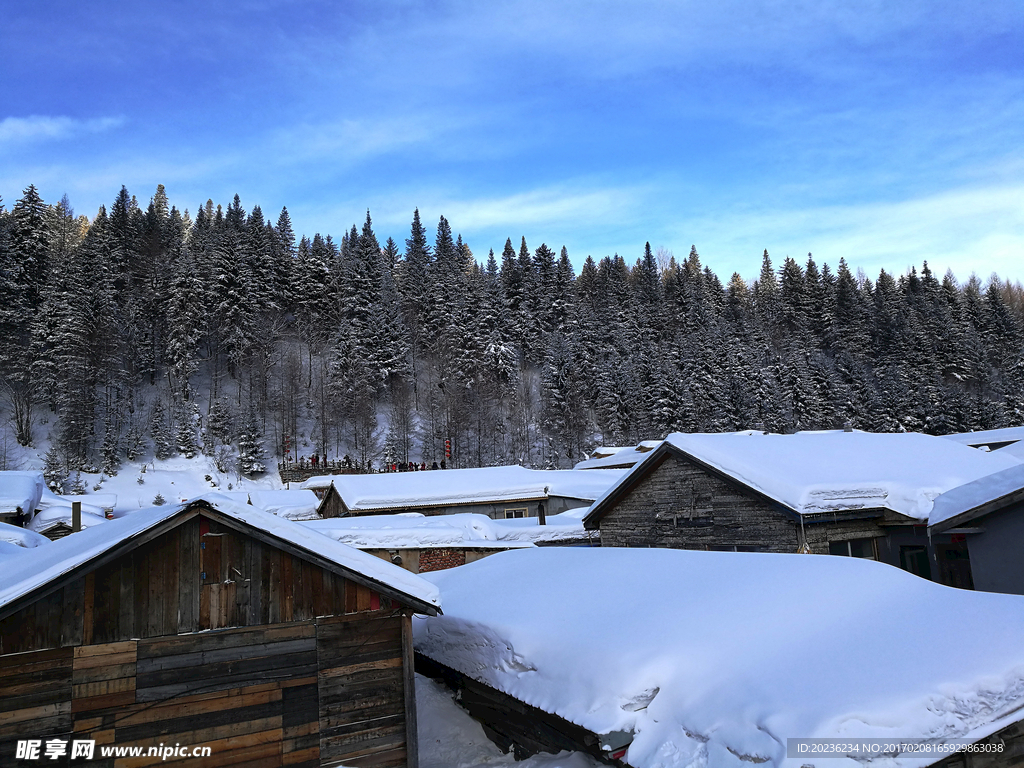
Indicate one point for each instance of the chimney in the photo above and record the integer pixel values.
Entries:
(76, 516)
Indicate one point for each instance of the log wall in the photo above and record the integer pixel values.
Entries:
(680, 505)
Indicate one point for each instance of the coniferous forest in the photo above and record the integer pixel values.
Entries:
(151, 330)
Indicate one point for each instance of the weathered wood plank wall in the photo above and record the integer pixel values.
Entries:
(683, 506)
(303, 666)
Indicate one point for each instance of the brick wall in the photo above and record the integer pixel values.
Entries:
(441, 559)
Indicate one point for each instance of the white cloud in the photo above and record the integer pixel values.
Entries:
(17, 130)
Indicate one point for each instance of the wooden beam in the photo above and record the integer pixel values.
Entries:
(409, 685)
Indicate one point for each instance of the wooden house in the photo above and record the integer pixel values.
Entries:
(56, 521)
(20, 493)
(497, 492)
(618, 457)
(212, 624)
(856, 494)
(987, 516)
(331, 504)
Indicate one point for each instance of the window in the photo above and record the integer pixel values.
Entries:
(512, 513)
(732, 548)
(853, 548)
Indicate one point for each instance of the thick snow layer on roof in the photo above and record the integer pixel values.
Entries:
(51, 501)
(20, 575)
(20, 490)
(414, 531)
(966, 497)
(567, 526)
(983, 437)
(815, 472)
(295, 505)
(55, 515)
(621, 458)
(716, 658)
(466, 486)
(318, 481)
(21, 537)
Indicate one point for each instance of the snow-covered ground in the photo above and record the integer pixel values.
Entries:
(717, 658)
(175, 480)
(450, 738)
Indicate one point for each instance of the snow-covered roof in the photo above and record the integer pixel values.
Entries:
(415, 531)
(970, 500)
(20, 491)
(318, 481)
(295, 505)
(412, 530)
(53, 516)
(21, 537)
(51, 501)
(450, 487)
(618, 458)
(718, 670)
(26, 573)
(987, 436)
(814, 472)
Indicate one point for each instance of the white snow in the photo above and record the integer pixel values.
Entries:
(55, 515)
(450, 487)
(294, 505)
(176, 480)
(985, 436)
(971, 495)
(615, 458)
(21, 574)
(20, 537)
(413, 530)
(20, 490)
(450, 738)
(813, 472)
(716, 658)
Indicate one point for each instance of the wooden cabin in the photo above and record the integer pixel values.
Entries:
(212, 624)
(500, 493)
(855, 494)
(331, 504)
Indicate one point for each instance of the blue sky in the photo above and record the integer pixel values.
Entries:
(885, 133)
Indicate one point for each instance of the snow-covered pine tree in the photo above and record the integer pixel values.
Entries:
(251, 456)
(186, 424)
(159, 430)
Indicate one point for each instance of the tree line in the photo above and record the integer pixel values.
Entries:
(150, 329)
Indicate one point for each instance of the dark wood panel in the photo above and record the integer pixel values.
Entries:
(225, 638)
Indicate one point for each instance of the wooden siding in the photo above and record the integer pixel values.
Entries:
(362, 692)
(680, 505)
(206, 636)
(200, 575)
(330, 691)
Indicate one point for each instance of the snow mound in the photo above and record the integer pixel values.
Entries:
(20, 537)
(716, 658)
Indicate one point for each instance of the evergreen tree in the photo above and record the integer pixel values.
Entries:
(251, 456)
(159, 431)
